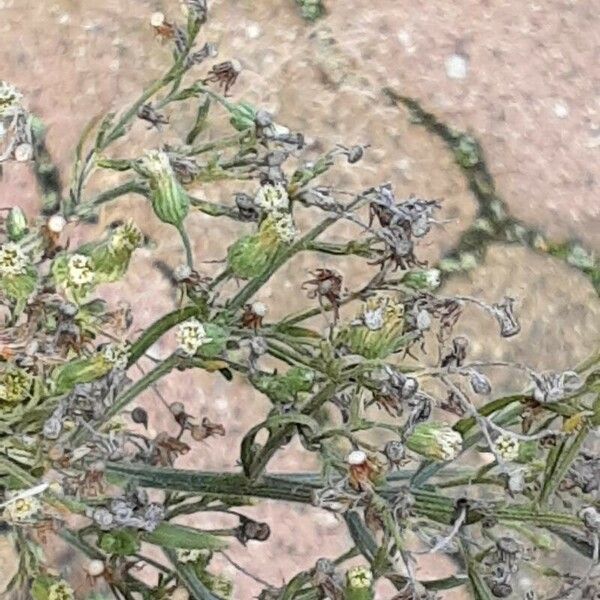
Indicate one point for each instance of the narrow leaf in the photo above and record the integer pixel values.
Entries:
(169, 535)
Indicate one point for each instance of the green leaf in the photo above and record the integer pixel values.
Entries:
(169, 535)
(120, 543)
(200, 121)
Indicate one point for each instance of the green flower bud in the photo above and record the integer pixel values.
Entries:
(242, 115)
(218, 584)
(16, 224)
(169, 200)
(111, 258)
(378, 329)
(359, 584)
(18, 278)
(80, 370)
(436, 441)
(282, 388)
(120, 543)
(75, 274)
(426, 280)
(249, 256)
(527, 451)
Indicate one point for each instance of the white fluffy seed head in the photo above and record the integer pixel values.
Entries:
(95, 568)
(357, 457)
(157, 19)
(259, 309)
(56, 223)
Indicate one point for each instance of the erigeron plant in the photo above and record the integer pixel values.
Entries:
(417, 452)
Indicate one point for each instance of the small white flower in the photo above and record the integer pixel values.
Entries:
(191, 335)
(450, 442)
(360, 577)
(189, 556)
(507, 447)
(259, 309)
(56, 223)
(356, 457)
(13, 261)
(157, 19)
(80, 270)
(116, 354)
(22, 509)
(373, 318)
(10, 99)
(286, 230)
(61, 590)
(433, 278)
(272, 198)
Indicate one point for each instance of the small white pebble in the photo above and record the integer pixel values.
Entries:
(456, 66)
(236, 65)
(95, 568)
(157, 19)
(253, 31)
(561, 110)
(357, 457)
(23, 152)
(64, 19)
(56, 223)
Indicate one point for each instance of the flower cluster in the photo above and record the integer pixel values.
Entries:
(191, 335)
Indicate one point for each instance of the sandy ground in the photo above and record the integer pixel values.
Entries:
(522, 75)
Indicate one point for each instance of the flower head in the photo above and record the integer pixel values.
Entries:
(117, 354)
(359, 577)
(126, 237)
(22, 509)
(61, 590)
(507, 446)
(15, 386)
(191, 335)
(437, 441)
(286, 230)
(80, 270)
(13, 261)
(185, 555)
(10, 99)
(378, 329)
(272, 198)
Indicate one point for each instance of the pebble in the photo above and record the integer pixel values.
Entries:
(253, 31)
(456, 66)
(561, 110)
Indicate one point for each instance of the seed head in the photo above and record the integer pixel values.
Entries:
(56, 223)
